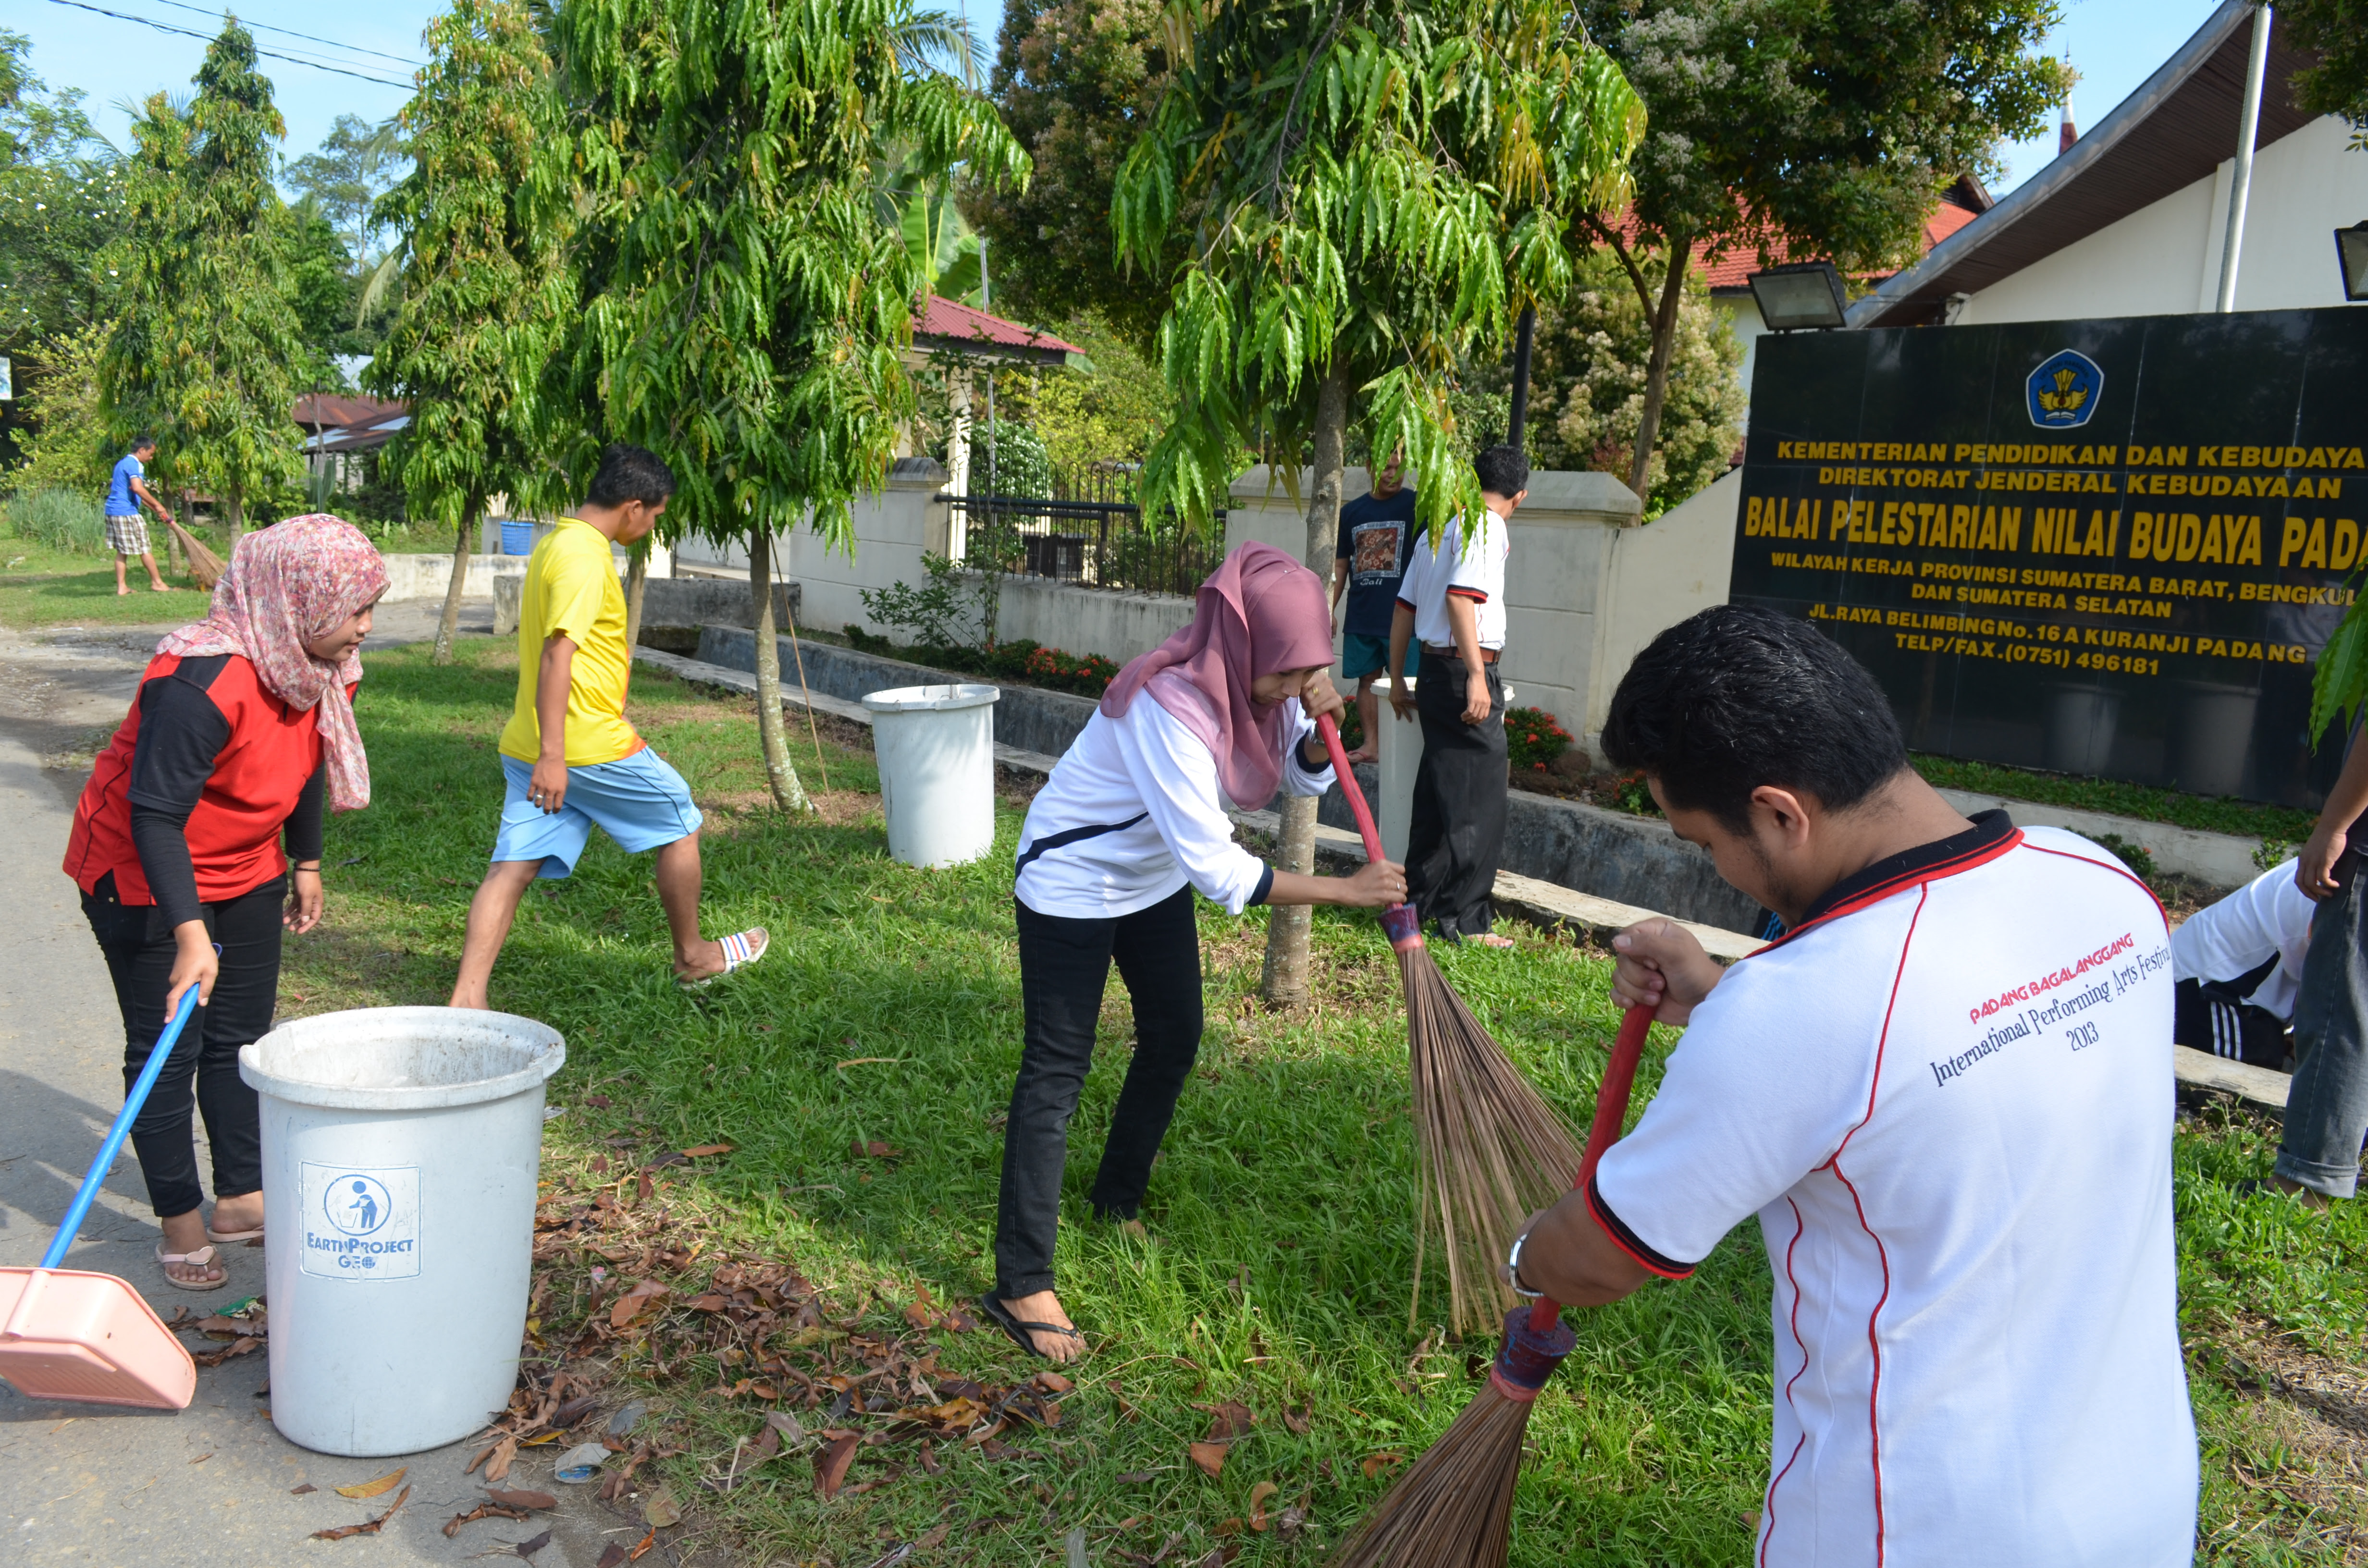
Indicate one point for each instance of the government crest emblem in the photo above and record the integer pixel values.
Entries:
(2064, 392)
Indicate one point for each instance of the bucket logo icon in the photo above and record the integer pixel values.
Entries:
(361, 1224)
(2065, 390)
(356, 1204)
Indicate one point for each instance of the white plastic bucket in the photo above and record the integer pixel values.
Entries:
(936, 750)
(400, 1148)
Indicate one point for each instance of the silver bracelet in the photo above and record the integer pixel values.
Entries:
(1513, 1270)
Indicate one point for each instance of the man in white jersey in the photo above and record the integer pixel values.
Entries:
(1946, 1094)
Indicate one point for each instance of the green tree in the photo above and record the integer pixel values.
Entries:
(1353, 238)
(61, 198)
(2336, 32)
(356, 163)
(485, 286)
(1587, 401)
(1812, 127)
(67, 449)
(209, 341)
(1076, 81)
(747, 308)
(323, 288)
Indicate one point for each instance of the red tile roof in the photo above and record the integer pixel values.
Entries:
(951, 324)
(319, 411)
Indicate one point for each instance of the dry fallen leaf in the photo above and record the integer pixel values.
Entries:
(706, 1148)
(523, 1499)
(203, 1457)
(526, 1549)
(1053, 1382)
(1374, 1464)
(482, 1511)
(1295, 1420)
(1210, 1457)
(661, 1511)
(368, 1527)
(935, 1538)
(1259, 1494)
(874, 1149)
(611, 1555)
(641, 1550)
(634, 1303)
(300, 1491)
(384, 1484)
(831, 1462)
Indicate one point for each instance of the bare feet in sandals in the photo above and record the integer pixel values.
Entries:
(237, 1218)
(188, 1260)
(1039, 1322)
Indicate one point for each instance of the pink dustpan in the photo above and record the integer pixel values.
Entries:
(69, 1334)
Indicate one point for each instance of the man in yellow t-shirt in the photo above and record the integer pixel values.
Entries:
(572, 760)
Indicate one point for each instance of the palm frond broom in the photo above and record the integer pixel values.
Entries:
(1453, 1508)
(1493, 1153)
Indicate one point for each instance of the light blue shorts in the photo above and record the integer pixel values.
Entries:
(639, 801)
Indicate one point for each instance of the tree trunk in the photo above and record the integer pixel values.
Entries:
(447, 626)
(1284, 981)
(788, 793)
(637, 577)
(235, 515)
(1657, 374)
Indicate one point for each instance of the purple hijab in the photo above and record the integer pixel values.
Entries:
(1259, 612)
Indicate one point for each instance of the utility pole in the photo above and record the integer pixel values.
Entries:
(2240, 184)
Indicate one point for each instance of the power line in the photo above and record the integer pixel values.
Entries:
(208, 38)
(265, 27)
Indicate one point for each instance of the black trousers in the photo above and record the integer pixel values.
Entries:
(1064, 965)
(1457, 831)
(140, 950)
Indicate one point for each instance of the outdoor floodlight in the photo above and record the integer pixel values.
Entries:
(1804, 294)
(2351, 255)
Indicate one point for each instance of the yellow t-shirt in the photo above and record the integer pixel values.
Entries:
(572, 591)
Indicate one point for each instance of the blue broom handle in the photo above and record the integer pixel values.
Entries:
(122, 1128)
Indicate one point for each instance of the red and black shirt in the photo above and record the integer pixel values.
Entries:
(189, 802)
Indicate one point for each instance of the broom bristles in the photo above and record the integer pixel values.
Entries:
(1493, 1153)
(1453, 1508)
(204, 564)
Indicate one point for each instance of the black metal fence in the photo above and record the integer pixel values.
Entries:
(1094, 544)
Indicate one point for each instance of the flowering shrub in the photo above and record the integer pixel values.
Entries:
(1631, 793)
(1018, 658)
(1533, 738)
(1089, 676)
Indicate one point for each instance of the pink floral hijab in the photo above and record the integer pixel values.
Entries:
(284, 586)
(1261, 611)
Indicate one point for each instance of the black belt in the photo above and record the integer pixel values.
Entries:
(1487, 655)
(1073, 835)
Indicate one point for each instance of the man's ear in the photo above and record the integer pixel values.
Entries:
(1784, 813)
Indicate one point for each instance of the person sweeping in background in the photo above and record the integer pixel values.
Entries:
(1130, 823)
(127, 530)
(2239, 963)
(571, 759)
(201, 826)
(1946, 1093)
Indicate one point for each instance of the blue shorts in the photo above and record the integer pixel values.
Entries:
(1361, 655)
(639, 801)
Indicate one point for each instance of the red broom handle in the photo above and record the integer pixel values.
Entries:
(1349, 787)
(1611, 1111)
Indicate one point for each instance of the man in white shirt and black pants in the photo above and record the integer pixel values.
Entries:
(1452, 600)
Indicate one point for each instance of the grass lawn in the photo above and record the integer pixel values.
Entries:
(859, 1072)
(2246, 819)
(41, 586)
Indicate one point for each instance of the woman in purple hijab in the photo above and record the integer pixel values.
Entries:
(1132, 821)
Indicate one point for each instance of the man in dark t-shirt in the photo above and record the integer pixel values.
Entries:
(1376, 542)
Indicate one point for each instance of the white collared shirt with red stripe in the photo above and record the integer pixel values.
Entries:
(1476, 573)
(1947, 1097)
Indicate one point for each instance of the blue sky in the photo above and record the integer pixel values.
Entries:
(2116, 45)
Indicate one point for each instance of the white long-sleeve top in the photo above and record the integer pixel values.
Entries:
(1133, 812)
(2267, 918)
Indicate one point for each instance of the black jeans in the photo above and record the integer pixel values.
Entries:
(140, 949)
(1457, 830)
(1064, 965)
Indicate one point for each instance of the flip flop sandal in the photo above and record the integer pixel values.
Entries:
(740, 948)
(226, 1238)
(1000, 1315)
(201, 1258)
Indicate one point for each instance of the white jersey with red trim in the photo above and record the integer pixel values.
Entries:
(1948, 1098)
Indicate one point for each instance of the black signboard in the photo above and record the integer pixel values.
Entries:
(2101, 547)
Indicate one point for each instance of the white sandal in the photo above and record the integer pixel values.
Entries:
(741, 948)
(201, 1258)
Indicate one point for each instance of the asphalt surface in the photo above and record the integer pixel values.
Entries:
(209, 1485)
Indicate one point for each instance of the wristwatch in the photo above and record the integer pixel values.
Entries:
(1513, 1270)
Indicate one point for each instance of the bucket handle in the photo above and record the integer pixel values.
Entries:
(80, 1206)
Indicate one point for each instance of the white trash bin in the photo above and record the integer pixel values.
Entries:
(936, 750)
(401, 1149)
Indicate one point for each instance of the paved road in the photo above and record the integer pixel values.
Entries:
(209, 1486)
